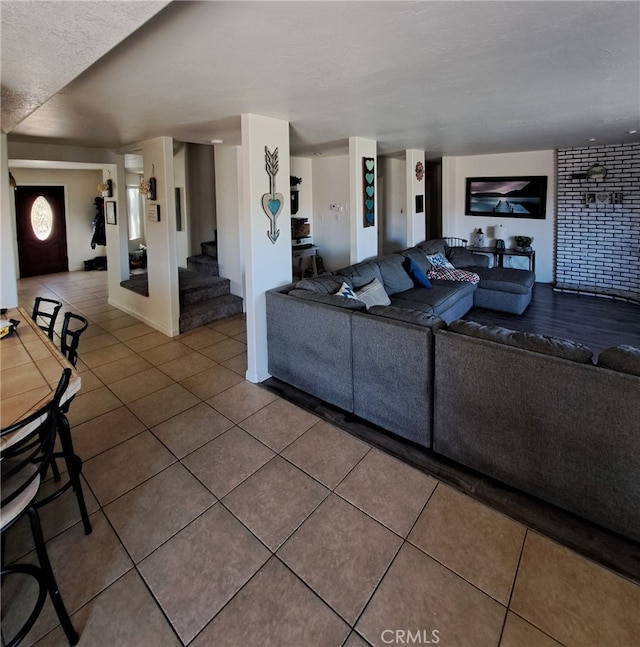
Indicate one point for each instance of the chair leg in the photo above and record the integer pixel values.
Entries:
(74, 468)
(50, 580)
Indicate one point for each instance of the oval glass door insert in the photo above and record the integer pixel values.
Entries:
(41, 218)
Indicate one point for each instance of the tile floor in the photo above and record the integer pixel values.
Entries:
(223, 515)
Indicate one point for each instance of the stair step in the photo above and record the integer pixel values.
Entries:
(209, 249)
(215, 286)
(199, 314)
(204, 264)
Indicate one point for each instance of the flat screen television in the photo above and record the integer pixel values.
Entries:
(507, 197)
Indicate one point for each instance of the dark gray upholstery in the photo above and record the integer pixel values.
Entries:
(394, 276)
(540, 424)
(329, 299)
(624, 358)
(505, 279)
(362, 273)
(324, 284)
(418, 257)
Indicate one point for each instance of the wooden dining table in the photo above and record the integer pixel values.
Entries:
(30, 368)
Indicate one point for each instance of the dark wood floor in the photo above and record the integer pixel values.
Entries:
(597, 322)
(593, 321)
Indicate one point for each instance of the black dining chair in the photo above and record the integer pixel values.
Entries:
(72, 327)
(45, 312)
(27, 447)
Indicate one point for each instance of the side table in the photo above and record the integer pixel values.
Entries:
(499, 254)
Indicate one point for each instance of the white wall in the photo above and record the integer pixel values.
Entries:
(267, 264)
(331, 229)
(364, 240)
(80, 191)
(392, 211)
(416, 222)
(180, 182)
(8, 253)
(454, 223)
(302, 167)
(230, 249)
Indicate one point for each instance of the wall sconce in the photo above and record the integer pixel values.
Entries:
(148, 187)
(106, 187)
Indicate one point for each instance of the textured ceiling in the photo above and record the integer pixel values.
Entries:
(451, 78)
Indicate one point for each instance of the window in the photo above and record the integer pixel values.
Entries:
(41, 218)
(135, 209)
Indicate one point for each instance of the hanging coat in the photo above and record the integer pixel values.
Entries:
(99, 233)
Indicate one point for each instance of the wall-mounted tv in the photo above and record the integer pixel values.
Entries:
(507, 197)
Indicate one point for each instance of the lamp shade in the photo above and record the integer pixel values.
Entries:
(500, 232)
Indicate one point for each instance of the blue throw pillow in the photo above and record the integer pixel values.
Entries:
(418, 276)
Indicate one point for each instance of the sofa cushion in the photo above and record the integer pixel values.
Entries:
(623, 358)
(435, 246)
(462, 258)
(408, 315)
(418, 256)
(505, 279)
(439, 260)
(555, 346)
(329, 299)
(394, 276)
(323, 284)
(442, 296)
(361, 273)
(418, 277)
(373, 294)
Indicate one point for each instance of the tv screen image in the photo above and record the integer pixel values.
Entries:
(509, 197)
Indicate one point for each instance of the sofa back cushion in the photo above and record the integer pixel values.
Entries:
(328, 299)
(323, 284)
(436, 246)
(544, 344)
(361, 273)
(623, 358)
(419, 257)
(394, 276)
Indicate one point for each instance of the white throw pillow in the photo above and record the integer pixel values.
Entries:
(439, 260)
(373, 294)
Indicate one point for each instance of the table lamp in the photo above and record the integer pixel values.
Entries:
(500, 234)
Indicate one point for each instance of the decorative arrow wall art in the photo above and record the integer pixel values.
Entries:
(272, 202)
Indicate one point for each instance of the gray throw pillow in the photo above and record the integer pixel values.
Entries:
(461, 258)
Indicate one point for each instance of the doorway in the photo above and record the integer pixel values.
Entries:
(41, 230)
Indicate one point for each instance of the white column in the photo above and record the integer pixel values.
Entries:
(8, 242)
(267, 263)
(416, 222)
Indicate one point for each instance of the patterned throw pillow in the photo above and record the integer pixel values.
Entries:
(346, 291)
(439, 260)
(453, 274)
(373, 294)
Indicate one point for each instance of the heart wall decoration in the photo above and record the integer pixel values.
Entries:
(272, 202)
(369, 191)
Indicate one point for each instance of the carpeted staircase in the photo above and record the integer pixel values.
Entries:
(205, 296)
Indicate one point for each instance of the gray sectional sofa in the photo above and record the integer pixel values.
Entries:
(528, 410)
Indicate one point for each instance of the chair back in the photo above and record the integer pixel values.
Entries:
(45, 316)
(27, 446)
(72, 327)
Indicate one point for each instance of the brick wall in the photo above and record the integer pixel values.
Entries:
(598, 244)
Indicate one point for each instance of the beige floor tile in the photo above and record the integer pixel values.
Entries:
(241, 401)
(157, 509)
(274, 592)
(200, 338)
(519, 633)
(186, 366)
(96, 358)
(137, 386)
(89, 344)
(279, 423)
(326, 453)
(275, 501)
(356, 641)
(148, 341)
(165, 352)
(90, 381)
(468, 537)
(390, 491)
(86, 406)
(226, 461)
(211, 381)
(342, 554)
(119, 322)
(131, 332)
(125, 466)
(163, 404)
(420, 595)
(230, 327)
(574, 600)
(237, 364)
(191, 429)
(200, 569)
(118, 370)
(123, 614)
(105, 315)
(96, 436)
(224, 350)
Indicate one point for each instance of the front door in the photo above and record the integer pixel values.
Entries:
(41, 230)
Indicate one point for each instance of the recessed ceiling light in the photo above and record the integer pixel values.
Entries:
(632, 132)
(591, 139)
(317, 154)
(217, 141)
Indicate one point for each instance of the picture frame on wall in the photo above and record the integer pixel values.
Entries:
(110, 212)
(507, 197)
